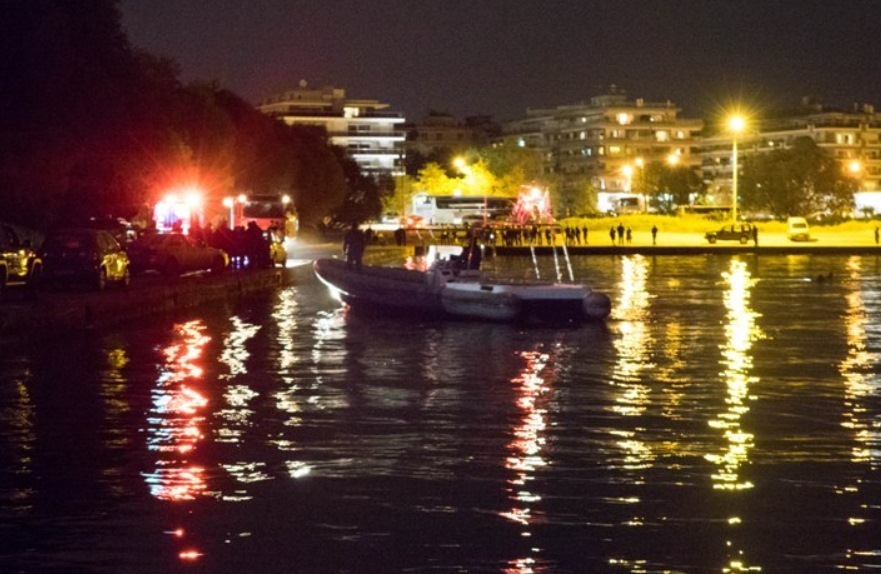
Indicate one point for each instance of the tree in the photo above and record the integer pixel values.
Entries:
(667, 186)
(513, 166)
(799, 180)
(91, 126)
(434, 180)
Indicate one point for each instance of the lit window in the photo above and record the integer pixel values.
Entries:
(614, 149)
(624, 118)
(662, 135)
(350, 112)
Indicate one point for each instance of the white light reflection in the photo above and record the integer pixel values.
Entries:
(236, 397)
(234, 352)
(740, 333)
(285, 316)
(297, 394)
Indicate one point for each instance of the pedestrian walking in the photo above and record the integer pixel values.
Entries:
(654, 234)
(629, 236)
(877, 235)
(612, 234)
(620, 234)
(756, 235)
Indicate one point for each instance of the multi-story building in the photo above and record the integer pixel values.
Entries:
(372, 136)
(853, 137)
(441, 132)
(607, 140)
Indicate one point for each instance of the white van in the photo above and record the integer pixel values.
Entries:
(797, 229)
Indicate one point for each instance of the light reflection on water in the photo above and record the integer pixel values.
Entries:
(726, 419)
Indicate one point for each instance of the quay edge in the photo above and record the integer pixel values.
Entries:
(59, 312)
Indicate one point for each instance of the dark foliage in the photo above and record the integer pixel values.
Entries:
(91, 126)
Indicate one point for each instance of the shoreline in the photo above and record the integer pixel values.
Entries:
(63, 312)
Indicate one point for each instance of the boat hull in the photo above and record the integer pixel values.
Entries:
(480, 301)
(381, 289)
(403, 292)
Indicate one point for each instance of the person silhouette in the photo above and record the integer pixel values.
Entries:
(353, 246)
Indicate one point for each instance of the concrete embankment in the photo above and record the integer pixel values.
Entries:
(60, 311)
(56, 312)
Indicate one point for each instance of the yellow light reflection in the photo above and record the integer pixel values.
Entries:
(633, 357)
(17, 430)
(860, 384)
(741, 331)
(857, 368)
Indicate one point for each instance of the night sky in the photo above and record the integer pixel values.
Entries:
(501, 57)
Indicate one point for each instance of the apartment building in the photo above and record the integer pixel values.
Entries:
(442, 132)
(606, 140)
(851, 136)
(372, 135)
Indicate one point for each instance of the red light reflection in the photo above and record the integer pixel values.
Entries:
(177, 417)
(526, 448)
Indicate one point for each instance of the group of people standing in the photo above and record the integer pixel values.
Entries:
(620, 234)
(247, 247)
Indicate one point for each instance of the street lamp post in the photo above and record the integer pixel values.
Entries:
(231, 204)
(735, 125)
(640, 179)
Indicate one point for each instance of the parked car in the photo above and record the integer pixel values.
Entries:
(174, 253)
(19, 263)
(80, 255)
(797, 229)
(741, 232)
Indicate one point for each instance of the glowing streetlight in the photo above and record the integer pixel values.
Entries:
(627, 170)
(640, 165)
(736, 124)
(230, 203)
(854, 167)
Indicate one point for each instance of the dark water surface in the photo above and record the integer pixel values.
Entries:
(726, 419)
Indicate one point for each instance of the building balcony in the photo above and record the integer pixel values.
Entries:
(366, 116)
(396, 135)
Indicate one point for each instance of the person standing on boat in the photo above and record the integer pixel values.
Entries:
(353, 246)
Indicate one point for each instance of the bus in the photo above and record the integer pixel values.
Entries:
(271, 210)
(456, 209)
